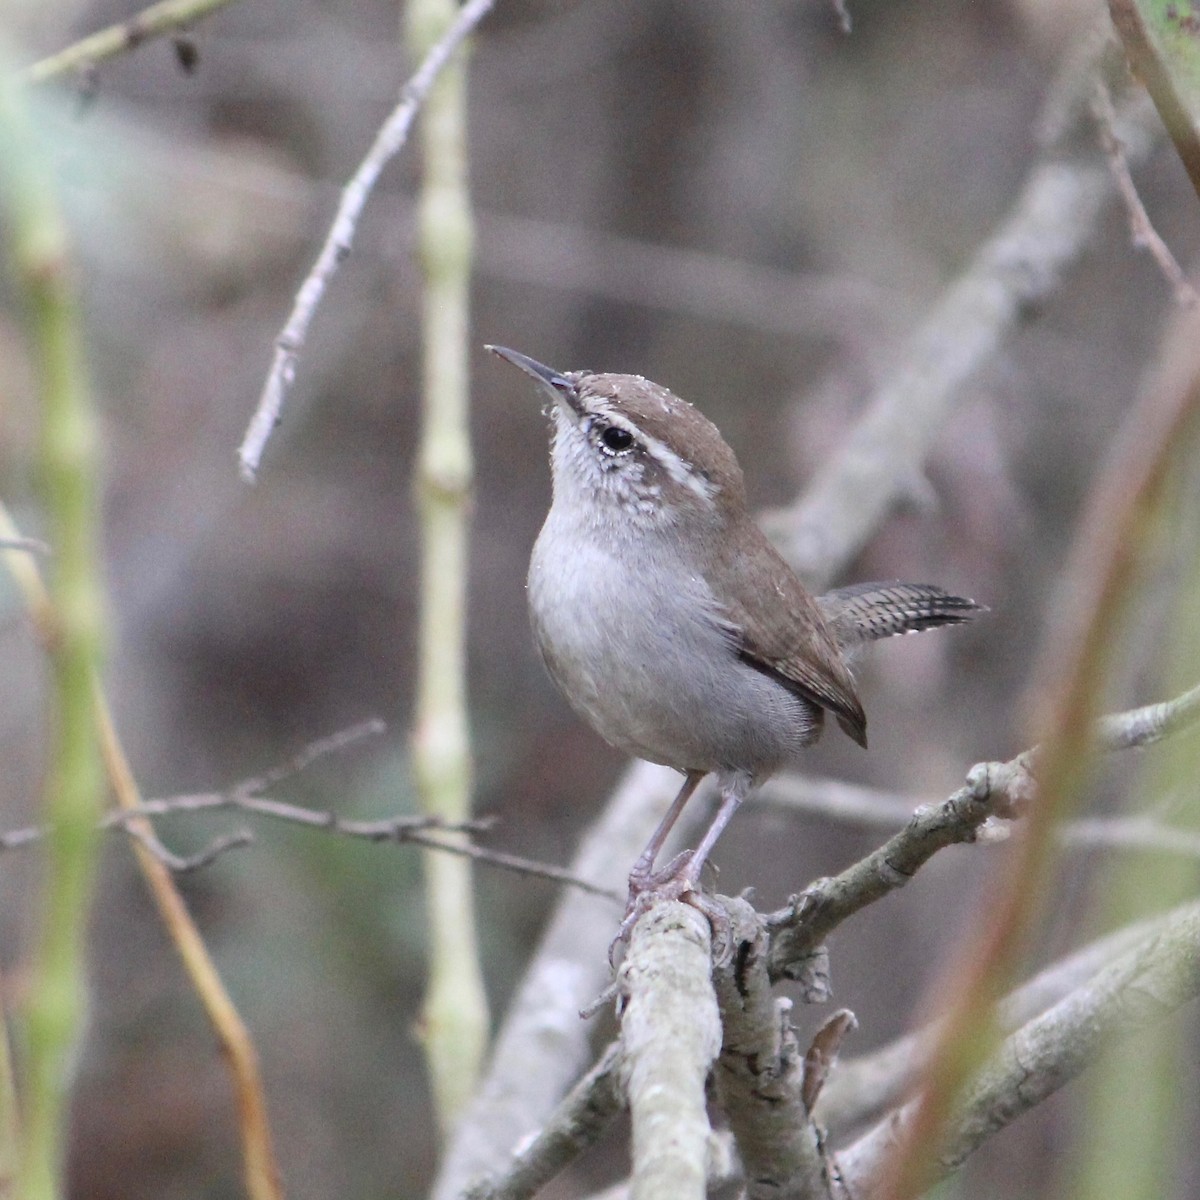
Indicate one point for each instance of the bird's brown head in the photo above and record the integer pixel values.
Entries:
(629, 442)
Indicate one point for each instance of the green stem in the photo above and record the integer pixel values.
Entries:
(455, 1014)
(155, 21)
(38, 244)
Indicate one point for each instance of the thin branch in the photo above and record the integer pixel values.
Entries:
(244, 797)
(1140, 727)
(181, 864)
(875, 808)
(388, 142)
(169, 16)
(1149, 67)
(1141, 228)
(577, 1124)
(991, 790)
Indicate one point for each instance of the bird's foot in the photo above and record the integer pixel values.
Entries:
(676, 881)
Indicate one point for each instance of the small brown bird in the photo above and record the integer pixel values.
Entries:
(670, 622)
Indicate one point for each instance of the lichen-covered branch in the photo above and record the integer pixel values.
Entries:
(670, 1034)
(759, 1072)
(992, 789)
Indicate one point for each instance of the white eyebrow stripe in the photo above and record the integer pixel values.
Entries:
(666, 458)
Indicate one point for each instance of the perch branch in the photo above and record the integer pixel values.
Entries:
(759, 1073)
(670, 1034)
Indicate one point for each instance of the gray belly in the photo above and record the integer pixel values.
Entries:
(652, 671)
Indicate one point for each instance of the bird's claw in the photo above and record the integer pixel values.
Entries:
(648, 887)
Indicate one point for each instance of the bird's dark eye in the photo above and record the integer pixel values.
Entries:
(617, 439)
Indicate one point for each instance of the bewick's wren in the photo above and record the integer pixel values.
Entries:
(667, 618)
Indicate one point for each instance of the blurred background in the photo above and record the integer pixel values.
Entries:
(738, 201)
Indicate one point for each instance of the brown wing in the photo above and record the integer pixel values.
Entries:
(779, 629)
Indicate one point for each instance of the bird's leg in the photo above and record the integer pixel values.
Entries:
(643, 876)
(732, 796)
(679, 880)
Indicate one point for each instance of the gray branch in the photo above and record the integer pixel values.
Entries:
(1142, 987)
(577, 1123)
(991, 790)
(759, 1072)
(863, 1088)
(568, 970)
(1014, 272)
(670, 1034)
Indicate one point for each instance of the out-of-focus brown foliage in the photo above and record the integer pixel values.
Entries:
(251, 620)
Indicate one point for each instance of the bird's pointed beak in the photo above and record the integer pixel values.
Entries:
(557, 385)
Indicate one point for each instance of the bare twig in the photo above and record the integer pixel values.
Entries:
(1016, 782)
(181, 864)
(578, 1122)
(388, 142)
(799, 928)
(875, 808)
(1152, 71)
(169, 16)
(245, 797)
(1141, 228)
